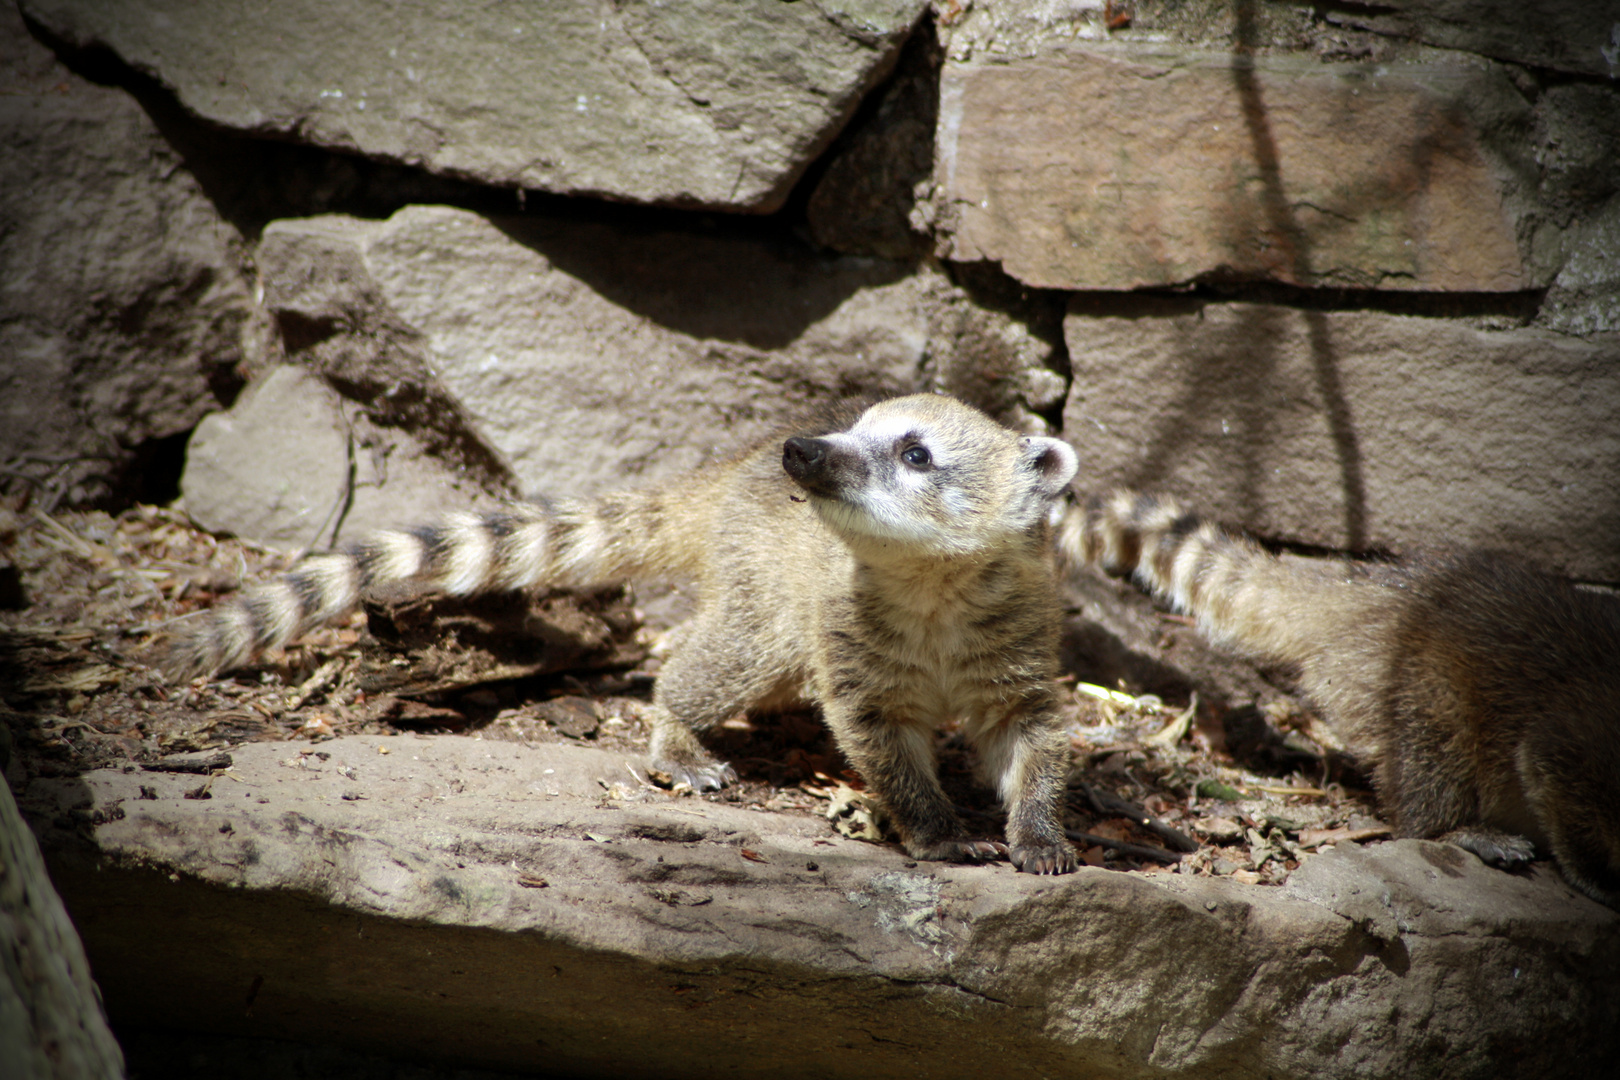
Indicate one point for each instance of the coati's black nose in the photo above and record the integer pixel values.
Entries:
(804, 458)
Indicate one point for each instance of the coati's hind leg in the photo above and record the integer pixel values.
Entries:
(1026, 756)
(709, 678)
(896, 758)
(1573, 784)
(1435, 800)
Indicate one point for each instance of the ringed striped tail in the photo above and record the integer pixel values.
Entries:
(1183, 560)
(464, 553)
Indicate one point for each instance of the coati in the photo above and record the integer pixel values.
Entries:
(897, 574)
(1484, 693)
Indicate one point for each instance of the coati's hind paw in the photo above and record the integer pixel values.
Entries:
(703, 776)
(963, 851)
(1056, 859)
(1500, 849)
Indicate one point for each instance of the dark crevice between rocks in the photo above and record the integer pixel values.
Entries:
(857, 197)
(1041, 311)
(1494, 310)
(153, 476)
(165, 1054)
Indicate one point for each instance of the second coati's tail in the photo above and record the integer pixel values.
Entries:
(569, 544)
(1242, 596)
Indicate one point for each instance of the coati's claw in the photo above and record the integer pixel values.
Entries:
(1058, 859)
(963, 851)
(1503, 850)
(711, 776)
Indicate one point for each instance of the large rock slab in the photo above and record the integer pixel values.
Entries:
(588, 355)
(715, 103)
(1115, 168)
(1355, 429)
(124, 308)
(537, 908)
(1581, 36)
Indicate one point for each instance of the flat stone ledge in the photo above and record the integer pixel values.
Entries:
(497, 905)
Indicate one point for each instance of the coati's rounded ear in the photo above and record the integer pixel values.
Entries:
(1053, 461)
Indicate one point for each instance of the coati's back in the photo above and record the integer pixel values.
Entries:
(1485, 694)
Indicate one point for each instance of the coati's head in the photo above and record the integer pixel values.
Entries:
(930, 472)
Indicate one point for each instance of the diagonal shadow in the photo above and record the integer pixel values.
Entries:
(1252, 362)
(1296, 242)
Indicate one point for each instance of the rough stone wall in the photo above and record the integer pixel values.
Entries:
(1345, 275)
(1342, 278)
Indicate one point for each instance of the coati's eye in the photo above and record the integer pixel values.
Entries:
(917, 457)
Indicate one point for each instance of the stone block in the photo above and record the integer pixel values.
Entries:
(714, 103)
(1116, 168)
(1585, 297)
(1355, 429)
(51, 1022)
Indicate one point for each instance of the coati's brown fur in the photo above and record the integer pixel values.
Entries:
(1485, 694)
(898, 574)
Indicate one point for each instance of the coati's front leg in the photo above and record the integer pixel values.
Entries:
(677, 751)
(1026, 755)
(895, 757)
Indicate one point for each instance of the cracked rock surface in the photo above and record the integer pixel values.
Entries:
(540, 907)
(713, 103)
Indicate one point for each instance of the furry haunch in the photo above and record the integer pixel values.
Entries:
(1484, 693)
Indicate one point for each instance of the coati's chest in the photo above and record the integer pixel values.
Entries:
(936, 653)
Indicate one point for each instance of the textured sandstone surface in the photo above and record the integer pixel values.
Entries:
(717, 103)
(1357, 429)
(1114, 168)
(538, 907)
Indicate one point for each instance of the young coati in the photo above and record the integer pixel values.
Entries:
(1484, 693)
(898, 574)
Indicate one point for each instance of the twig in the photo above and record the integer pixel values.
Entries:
(1113, 806)
(1137, 851)
(190, 765)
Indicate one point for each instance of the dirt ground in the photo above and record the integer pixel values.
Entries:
(85, 597)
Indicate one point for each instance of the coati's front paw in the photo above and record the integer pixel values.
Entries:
(1500, 849)
(1057, 858)
(964, 851)
(701, 776)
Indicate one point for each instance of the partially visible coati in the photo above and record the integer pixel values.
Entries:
(897, 573)
(1484, 693)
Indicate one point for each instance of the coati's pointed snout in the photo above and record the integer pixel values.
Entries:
(802, 457)
(815, 465)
